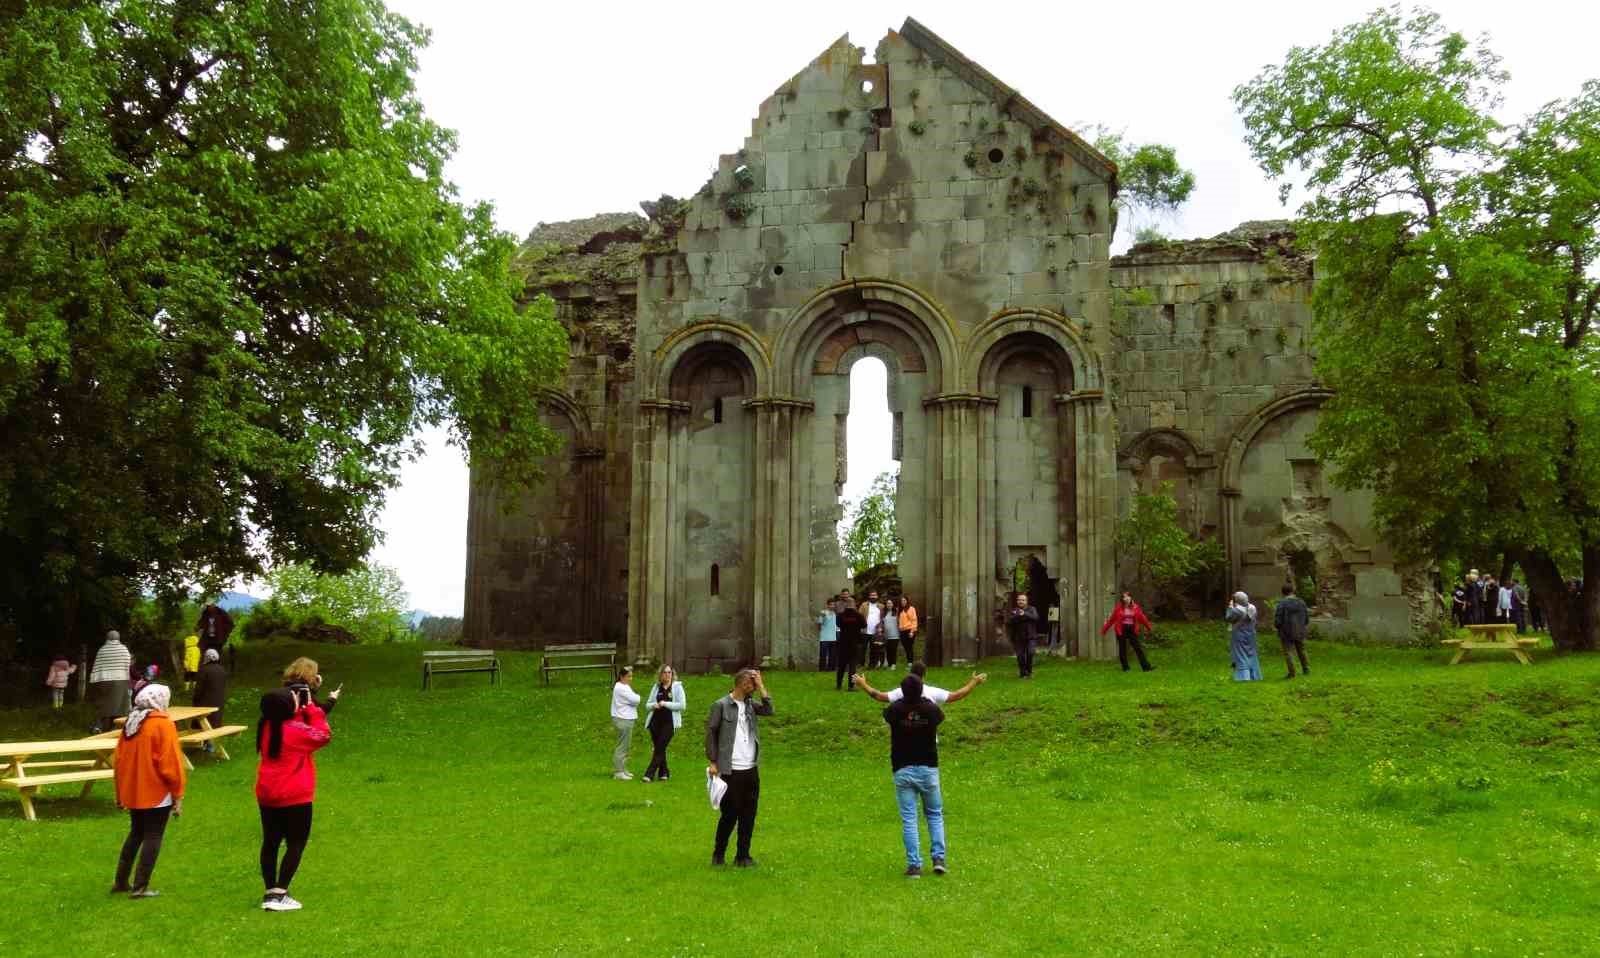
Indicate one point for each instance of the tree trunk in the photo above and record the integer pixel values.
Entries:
(1572, 619)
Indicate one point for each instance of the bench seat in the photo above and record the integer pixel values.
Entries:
(440, 661)
(59, 778)
(604, 655)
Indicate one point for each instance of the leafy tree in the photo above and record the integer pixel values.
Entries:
(872, 537)
(1149, 177)
(1161, 552)
(370, 600)
(440, 628)
(1455, 309)
(234, 283)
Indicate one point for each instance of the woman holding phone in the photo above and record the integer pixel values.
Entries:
(292, 728)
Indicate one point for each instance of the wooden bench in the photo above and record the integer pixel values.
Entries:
(459, 660)
(593, 650)
(19, 768)
(204, 735)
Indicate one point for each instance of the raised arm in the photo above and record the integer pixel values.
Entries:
(861, 683)
(978, 678)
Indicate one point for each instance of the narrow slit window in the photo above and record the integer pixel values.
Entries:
(1027, 402)
(716, 579)
(716, 409)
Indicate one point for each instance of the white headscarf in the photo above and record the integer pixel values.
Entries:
(1243, 602)
(151, 698)
(212, 655)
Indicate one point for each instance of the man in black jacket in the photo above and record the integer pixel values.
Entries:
(1291, 619)
(852, 639)
(1022, 627)
(914, 756)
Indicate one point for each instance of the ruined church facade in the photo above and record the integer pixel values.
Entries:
(916, 210)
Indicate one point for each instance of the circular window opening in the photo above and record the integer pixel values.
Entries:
(866, 86)
(621, 352)
(777, 270)
(996, 155)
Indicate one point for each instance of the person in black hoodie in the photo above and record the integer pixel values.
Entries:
(852, 626)
(914, 755)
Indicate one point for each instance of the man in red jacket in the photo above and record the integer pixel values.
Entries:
(1128, 618)
(292, 728)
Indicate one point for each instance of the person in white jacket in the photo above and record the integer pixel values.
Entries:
(666, 704)
(624, 712)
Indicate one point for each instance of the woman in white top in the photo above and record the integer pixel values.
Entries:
(624, 712)
(666, 707)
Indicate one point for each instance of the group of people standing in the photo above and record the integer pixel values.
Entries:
(868, 635)
(151, 780)
(1481, 600)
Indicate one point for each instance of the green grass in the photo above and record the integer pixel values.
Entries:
(1386, 805)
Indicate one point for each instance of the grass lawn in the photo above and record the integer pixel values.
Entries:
(1386, 805)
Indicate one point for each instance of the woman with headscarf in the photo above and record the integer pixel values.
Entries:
(150, 781)
(291, 729)
(108, 681)
(1241, 615)
(211, 689)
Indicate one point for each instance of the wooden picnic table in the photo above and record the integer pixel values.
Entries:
(1494, 636)
(19, 771)
(205, 733)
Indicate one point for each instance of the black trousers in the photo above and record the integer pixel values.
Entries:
(891, 647)
(660, 737)
(290, 826)
(738, 808)
(1024, 650)
(845, 661)
(146, 826)
(1127, 636)
(1298, 646)
(909, 640)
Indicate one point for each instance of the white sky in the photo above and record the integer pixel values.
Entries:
(563, 111)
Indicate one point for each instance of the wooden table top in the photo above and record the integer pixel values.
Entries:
(21, 749)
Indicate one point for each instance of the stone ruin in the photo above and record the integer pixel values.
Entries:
(917, 210)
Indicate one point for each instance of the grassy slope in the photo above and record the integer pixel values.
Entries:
(1386, 805)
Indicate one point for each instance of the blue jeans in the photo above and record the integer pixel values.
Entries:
(912, 782)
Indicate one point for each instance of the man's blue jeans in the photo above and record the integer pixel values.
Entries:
(911, 783)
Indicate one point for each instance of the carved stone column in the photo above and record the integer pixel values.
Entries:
(1095, 495)
(649, 544)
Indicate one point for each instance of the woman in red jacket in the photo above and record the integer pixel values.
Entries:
(291, 729)
(1128, 617)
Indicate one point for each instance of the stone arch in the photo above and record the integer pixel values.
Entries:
(981, 361)
(909, 323)
(1172, 442)
(561, 402)
(1246, 433)
(665, 361)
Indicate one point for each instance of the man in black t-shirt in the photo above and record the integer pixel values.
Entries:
(914, 754)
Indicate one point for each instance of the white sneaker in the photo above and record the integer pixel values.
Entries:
(623, 777)
(281, 903)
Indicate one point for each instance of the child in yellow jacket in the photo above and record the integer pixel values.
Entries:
(191, 661)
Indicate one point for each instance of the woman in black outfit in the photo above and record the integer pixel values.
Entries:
(666, 703)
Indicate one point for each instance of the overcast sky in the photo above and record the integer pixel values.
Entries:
(563, 111)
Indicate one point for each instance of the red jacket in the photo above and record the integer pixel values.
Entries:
(291, 778)
(1115, 618)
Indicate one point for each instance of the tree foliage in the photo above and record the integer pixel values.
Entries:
(369, 601)
(1150, 178)
(872, 537)
(1455, 309)
(233, 285)
(1160, 551)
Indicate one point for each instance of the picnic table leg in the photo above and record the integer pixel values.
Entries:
(1521, 655)
(25, 794)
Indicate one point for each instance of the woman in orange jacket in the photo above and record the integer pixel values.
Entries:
(1128, 617)
(907, 620)
(150, 781)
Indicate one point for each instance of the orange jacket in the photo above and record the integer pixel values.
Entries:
(908, 619)
(150, 765)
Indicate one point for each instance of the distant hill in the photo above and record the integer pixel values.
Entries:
(238, 601)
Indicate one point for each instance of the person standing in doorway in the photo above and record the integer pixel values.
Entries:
(1127, 618)
(872, 611)
(891, 633)
(907, 621)
(624, 712)
(150, 781)
(1241, 617)
(667, 703)
(827, 635)
(852, 628)
(1292, 619)
(1022, 627)
(733, 749)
